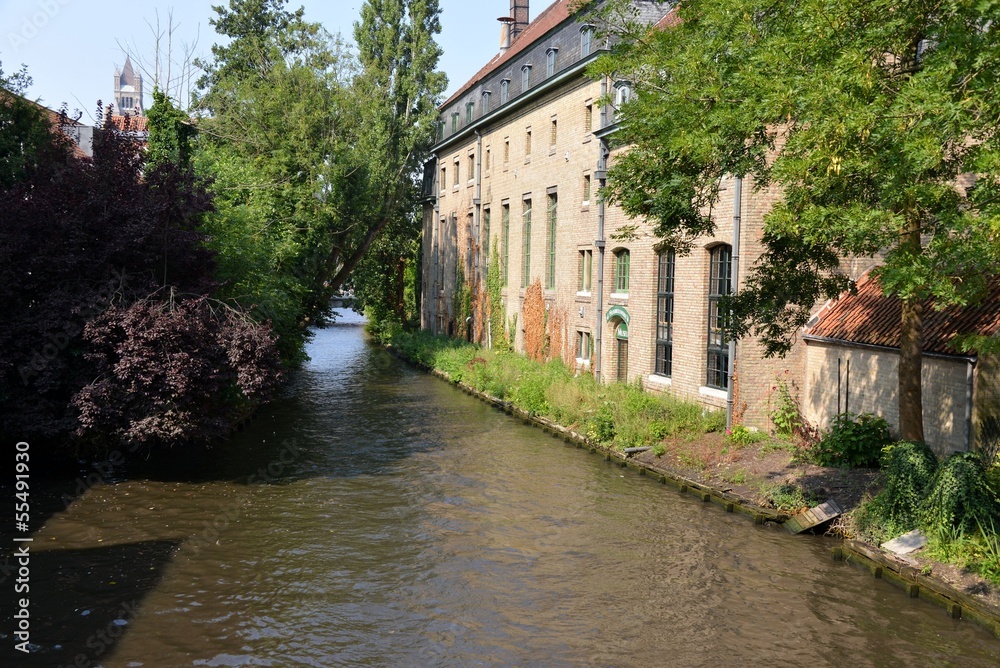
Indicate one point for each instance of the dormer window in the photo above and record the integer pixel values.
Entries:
(586, 33)
(469, 106)
(486, 102)
(454, 122)
(623, 93)
(504, 90)
(550, 61)
(525, 77)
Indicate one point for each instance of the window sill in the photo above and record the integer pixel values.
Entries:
(471, 183)
(713, 392)
(454, 188)
(586, 138)
(619, 296)
(552, 150)
(527, 159)
(583, 295)
(582, 363)
(662, 381)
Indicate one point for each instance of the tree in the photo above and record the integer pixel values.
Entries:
(27, 138)
(872, 117)
(399, 86)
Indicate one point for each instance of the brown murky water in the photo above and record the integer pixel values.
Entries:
(378, 517)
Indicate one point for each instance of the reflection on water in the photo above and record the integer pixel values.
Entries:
(378, 517)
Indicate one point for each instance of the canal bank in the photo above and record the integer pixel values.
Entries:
(376, 516)
(962, 595)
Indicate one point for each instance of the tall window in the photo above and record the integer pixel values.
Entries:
(553, 132)
(584, 346)
(621, 270)
(586, 267)
(505, 224)
(586, 32)
(525, 77)
(588, 118)
(586, 188)
(488, 156)
(454, 122)
(444, 178)
(526, 244)
(472, 166)
(623, 93)
(504, 90)
(665, 314)
(550, 265)
(527, 142)
(720, 285)
(484, 238)
(469, 106)
(455, 180)
(506, 150)
(550, 61)
(486, 102)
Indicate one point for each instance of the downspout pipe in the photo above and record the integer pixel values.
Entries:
(477, 202)
(599, 243)
(970, 378)
(734, 273)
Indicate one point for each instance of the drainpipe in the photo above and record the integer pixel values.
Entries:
(477, 223)
(734, 282)
(969, 386)
(602, 179)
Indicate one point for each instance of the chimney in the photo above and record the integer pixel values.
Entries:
(518, 12)
(505, 26)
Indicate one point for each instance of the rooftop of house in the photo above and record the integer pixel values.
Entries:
(135, 123)
(869, 317)
(550, 17)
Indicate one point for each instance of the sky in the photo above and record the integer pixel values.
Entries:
(71, 47)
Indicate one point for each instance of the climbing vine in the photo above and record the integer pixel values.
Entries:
(534, 322)
(500, 337)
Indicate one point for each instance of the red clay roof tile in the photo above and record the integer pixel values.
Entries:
(870, 317)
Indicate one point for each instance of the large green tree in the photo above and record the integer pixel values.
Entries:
(876, 119)
(398, 85)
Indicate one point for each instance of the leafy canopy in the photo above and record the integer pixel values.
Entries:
(868, 116)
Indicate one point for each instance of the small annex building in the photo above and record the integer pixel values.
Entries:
(852, 361)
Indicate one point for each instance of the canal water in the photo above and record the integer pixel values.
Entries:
(376, 516)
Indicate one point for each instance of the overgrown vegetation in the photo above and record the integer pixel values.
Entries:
(956, 504)
(618, 415)
(853, 441)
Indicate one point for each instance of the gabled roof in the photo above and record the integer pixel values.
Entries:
(57, 121)
(550, 17)
(869, 317)
(672, 18)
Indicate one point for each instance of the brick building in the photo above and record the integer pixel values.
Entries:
(521, 155)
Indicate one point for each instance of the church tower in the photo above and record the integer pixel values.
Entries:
(128, 90)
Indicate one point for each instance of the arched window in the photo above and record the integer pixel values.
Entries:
(719, 285)
(486, 102)
(623, 93)
(525, 77)
(504, 90)
(550, 61)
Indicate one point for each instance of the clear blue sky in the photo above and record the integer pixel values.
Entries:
(71, 46)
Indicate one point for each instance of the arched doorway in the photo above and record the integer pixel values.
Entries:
(618, 318)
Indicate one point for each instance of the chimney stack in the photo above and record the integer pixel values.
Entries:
(505, 28)
(518, 12)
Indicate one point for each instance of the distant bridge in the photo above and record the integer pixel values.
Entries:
(342, 300)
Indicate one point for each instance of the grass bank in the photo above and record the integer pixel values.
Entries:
(615, 415)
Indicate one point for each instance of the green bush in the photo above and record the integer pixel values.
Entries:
(601, 425)
(908, 471)
(960, 496)
(852, 441)
(741, 437)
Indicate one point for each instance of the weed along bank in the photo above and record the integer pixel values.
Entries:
(514, 185)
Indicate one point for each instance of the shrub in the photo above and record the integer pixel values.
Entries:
(852, 441)
(785, 416)
(907, 472)
(960, 496)
(741, 437)
(601, 425)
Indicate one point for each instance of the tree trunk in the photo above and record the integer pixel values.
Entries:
(911, 415)
(911, 410)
